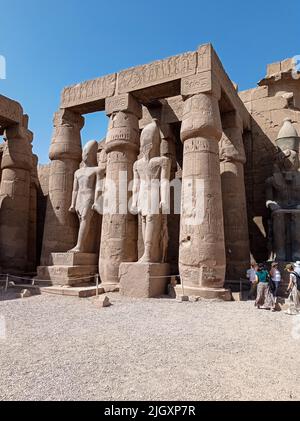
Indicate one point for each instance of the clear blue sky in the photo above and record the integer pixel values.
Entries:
(49, 44)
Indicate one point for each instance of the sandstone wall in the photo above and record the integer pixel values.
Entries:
(276, 97)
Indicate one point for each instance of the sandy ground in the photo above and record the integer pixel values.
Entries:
(63, 348)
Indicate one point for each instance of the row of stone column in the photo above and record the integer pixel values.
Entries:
(203, 248)
(18, 200)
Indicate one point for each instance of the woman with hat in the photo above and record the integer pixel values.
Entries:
(264, 298)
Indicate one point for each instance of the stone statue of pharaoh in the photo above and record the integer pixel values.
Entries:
(283, 196)
(150, 197)
(84, 195)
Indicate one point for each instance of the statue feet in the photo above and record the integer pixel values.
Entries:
(76, 249)
(145, 259)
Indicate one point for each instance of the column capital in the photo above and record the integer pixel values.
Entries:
(66, 140)
(231, 146)
(125, 103)
(65, 117)
(17, 149)
(201, 117)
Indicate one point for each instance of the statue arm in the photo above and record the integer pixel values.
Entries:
(270, 202)
(135, 190)
(74, 194)
(165, 185)
(98, 190)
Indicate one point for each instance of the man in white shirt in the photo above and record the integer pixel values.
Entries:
(251, 275)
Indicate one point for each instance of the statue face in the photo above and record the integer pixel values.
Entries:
(291, 160)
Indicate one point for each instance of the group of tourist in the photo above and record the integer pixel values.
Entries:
(265, 286)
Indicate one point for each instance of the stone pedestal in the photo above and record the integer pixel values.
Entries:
(143, 280)
(69, 269)
(206, 293)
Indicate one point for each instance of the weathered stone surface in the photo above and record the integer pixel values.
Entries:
(61, 227)
(157, 72)
(143, 280)
(11, 112)
(102, 302)
(67, 275)
(74, 259)
(89, 91)
(119, 227)
(202, 247)
(195, 84)
(124, 102)
(152, 205)
(15, 207)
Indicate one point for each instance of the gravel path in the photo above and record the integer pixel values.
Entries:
(64, 348)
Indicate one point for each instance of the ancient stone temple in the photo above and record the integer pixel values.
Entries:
(193, 179)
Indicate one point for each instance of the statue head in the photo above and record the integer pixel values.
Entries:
(150, 140)
(89, 154)
(288, 138)
(290, 160)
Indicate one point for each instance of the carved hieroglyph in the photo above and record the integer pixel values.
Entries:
(151, 195)
(157, 72)
(61, 226)
(283, 196)
(232, 160)
(202, 249)
(89, 91)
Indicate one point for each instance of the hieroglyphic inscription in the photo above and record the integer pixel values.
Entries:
(157, 72)
(89, 91)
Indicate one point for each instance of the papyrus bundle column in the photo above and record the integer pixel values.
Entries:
(61, 226)
(119, 227)
(232, 160)
(202, 249)
(15, 197)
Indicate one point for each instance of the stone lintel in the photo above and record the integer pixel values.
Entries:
(157, 72)
(123, 102)
(90, 91)
(11, 112)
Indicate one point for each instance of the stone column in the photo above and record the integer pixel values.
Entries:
(168, 149)
(202, 248)
(15, 197)
(32, 226)
(232, 160)
(61, 226)
(119, 227)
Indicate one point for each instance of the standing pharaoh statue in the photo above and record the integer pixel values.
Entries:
(151, 195)
(85, 196)
(283, 196)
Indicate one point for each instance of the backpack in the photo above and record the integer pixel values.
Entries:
(297, 280)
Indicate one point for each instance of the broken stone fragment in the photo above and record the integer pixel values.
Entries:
(102, 301)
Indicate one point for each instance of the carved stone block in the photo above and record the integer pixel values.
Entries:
(143, 280)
